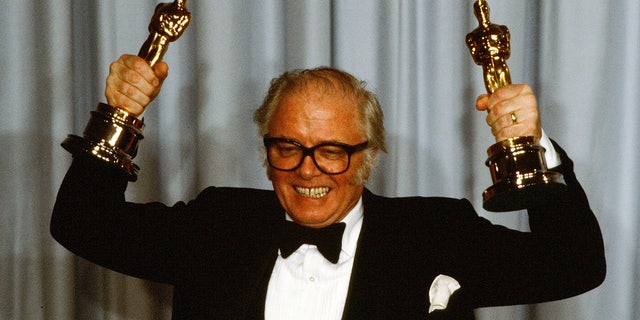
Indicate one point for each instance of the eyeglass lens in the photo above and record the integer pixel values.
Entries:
(284, 155)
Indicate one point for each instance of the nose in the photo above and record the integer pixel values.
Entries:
(308, 168)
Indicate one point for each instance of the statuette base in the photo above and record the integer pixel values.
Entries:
(112, 136)
(520, 176)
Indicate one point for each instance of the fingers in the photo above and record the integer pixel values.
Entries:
(132, 84)
(516, 124)
(512, 112)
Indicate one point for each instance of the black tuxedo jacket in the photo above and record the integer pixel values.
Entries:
(219, 249)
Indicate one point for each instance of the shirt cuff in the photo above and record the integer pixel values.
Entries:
(550, 156)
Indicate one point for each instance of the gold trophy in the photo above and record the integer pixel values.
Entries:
(518, 167)
(112, 134)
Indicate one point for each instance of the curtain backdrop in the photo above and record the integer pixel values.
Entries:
(580, 56)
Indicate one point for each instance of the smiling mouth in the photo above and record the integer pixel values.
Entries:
(313, 192)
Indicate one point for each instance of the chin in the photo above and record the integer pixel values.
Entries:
(313, 218)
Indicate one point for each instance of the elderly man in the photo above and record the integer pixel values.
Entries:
(236, 253)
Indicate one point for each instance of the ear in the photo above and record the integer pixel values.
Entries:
(370, 161)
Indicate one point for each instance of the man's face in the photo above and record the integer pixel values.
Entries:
(312, 119)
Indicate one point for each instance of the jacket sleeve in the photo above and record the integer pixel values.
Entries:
(92, 219)
(562, 255)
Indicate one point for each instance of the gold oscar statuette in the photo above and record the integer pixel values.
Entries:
(112, 134)
(518, 168)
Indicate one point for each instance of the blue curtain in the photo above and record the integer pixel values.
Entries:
(580, 56)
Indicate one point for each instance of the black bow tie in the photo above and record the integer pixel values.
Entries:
(328, 239)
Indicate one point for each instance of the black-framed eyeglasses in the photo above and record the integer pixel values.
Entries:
(330, 157)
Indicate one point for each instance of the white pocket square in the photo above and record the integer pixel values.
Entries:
(440, 291)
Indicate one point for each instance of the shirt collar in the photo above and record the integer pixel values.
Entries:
(352, 230)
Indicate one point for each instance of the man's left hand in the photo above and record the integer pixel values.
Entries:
(512, 112)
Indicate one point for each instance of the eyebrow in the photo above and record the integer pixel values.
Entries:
(319, 143)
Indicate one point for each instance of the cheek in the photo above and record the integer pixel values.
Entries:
(278, 179)
(349, 189)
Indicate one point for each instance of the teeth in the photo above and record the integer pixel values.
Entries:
(313, 192)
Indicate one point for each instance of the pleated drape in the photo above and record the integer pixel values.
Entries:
(580, 56)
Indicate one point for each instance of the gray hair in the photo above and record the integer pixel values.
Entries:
(330, 79)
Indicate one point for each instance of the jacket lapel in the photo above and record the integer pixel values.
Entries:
(393, 270)
(245, 277)
(378, 289)
(264, 250)
(255, 304)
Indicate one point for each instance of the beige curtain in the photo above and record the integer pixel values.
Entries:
(581, 57)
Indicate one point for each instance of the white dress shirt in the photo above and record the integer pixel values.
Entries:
(307, 286)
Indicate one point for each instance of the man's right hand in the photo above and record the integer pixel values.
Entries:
(132, 84)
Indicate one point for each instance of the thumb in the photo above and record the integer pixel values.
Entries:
(482, 102)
